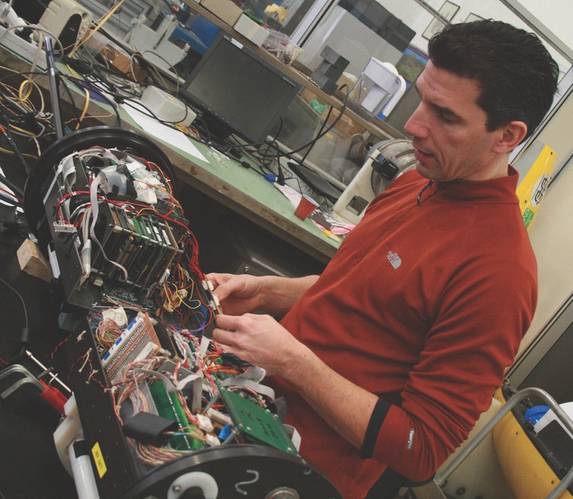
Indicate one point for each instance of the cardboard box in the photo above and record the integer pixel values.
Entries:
(225, 10)
(251, 30)
(33, 262)
(121, 61)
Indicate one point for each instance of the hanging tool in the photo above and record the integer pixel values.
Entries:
(23, 377)
(54, 94)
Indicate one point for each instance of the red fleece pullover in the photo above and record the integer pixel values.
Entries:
(424, 305)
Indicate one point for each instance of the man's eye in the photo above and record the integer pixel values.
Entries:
(447, 116)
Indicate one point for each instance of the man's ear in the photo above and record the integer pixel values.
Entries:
(510, 136)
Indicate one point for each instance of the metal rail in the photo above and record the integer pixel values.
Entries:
(443, 475)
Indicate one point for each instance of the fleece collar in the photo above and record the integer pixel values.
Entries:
(497, 190)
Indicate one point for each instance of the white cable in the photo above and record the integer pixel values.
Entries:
(94, 204)
(94, 212)
(77, 210)
(33, 27)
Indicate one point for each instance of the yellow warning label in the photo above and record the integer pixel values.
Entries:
(532, 188)
(99, 460)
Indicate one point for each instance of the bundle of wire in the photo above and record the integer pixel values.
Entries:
(23, 115)
(178, 294)
(188, 379)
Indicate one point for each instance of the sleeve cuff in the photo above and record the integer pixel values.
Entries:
(376, 420)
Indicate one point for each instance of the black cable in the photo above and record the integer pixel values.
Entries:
(90, 87)
(71, 97)
(297, 181)
(26, 116)
(21, 298)
(22, 73)
(280, 173)
(4, 129)
(26, 329)
(289, 154)
(113, 87)
(150, 114)
(307, 152)
(323, 133)
(129, 100)
(18, 190)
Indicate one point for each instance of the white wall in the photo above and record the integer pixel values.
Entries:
(552, 231)
(558, 18)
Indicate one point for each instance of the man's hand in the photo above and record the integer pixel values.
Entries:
(238, 294)
(260, 340)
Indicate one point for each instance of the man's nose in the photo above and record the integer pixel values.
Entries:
(417, 124)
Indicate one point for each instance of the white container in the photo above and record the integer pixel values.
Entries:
(251, 30)
(60, 12)
(383, 87)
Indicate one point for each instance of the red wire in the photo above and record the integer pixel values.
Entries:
(192, 242)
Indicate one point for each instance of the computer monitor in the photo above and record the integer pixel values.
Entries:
(242, 91)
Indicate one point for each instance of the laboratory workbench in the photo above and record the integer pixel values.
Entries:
(221, 178)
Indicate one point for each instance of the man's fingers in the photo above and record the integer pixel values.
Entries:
(224, 337)
(218, 279)
(227, 288)
(228, 322)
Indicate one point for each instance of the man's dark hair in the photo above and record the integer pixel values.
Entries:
(516, 74)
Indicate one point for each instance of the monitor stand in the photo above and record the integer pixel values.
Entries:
(218, 131)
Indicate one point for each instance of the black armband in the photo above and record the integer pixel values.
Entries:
(374, 425)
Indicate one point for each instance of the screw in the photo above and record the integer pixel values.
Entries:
(176, 488)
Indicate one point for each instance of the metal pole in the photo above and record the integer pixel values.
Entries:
(442, 476)
(563, 485)
(46, 370)
(54, 95)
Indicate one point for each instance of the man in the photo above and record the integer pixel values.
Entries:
(389, 357)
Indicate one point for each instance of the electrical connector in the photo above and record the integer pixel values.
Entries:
(212, 440)
(219, 417)
(271, 177)
(204, 423)
(212, 299)
(61, 227)
(148, 428)
(86, 258)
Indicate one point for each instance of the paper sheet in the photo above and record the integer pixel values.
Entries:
(164, 133)
(292, 195)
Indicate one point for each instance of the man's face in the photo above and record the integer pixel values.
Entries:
(448, 129)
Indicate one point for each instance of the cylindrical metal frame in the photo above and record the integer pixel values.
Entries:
(101, 136)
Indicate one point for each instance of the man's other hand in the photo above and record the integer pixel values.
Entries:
(238, 294)
(260, 340)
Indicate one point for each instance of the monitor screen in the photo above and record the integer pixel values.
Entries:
(240, 89)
